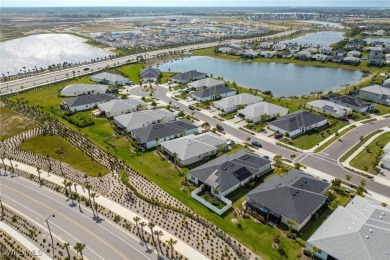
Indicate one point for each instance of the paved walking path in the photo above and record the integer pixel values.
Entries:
(181, 247)
(31, 248)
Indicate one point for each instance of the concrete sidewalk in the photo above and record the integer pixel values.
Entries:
(30, 247)
(181, 247)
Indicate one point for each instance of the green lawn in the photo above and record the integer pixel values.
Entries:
(334, 138)
(259, 127)
(13, 123)
(132, 71)
(166, 76)
(382, 109)
(58, 148)
(309, 140)
(368, 159)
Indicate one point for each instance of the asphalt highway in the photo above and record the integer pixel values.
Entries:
(103, 240)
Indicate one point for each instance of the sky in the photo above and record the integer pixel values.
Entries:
(58, 3)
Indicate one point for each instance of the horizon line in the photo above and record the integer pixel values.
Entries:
(317, 6)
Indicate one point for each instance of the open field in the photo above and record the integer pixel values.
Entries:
(13, 123)
(368, 159)
(58, 148)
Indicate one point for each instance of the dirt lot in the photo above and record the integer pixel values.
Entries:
(13, 123)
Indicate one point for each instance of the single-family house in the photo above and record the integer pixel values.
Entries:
(151, 135)
(354, 54)
(225, 174)
(265, 45)
(320, 57)
(329, 108)
(85, 102)
(352, 46)
(375, 58)
(205, 83)
(351, 61)
(81, 89)
(251, 54)
(261, 112)
(326, 51)
(188, 76)
(213, 93)
(358, 231)
(376, 93)
(356, 104)
(150, 74)
(193, 148)
(267, 54)
(295, 196)
(297, 123)
(339, 53)
(118, 107)
(143, 118)
(279, 46)
(294, 48)
(303, 55)
(110, 79)
(231, 104)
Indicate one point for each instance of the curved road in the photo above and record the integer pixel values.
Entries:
(103, 240)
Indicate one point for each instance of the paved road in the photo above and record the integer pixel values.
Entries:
(325, 162)
(103, 240)
(42, 79)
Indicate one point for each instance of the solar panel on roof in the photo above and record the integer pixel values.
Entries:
(242, 174)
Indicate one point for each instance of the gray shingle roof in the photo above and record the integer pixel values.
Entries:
(295, 195)
(120, 105)
(207, 82)
(296, 120)
(360, 231)
(263, 108)
(351, 101)
(213, 91)
(240, 99)
(162, 130)
(150, 73)
(88, 99)
(83, 88)
(229, 170)
(189, 75)
(109, 77)
(143, 117)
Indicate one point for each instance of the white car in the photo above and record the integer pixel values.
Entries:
(176, 106)
(230, 142)
(189, 99)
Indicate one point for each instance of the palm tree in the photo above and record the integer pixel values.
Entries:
(171, 242)
(156, 138)
(2, 156)
(136, 220)
(158, 234)
(66, 245)
(39, 175)
(79, 247)
(291, 224)
(142, 225)
(151, 225)
(93, 196)
(88, 187)
(174, 155)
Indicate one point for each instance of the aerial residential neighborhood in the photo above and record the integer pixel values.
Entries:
(200, 131)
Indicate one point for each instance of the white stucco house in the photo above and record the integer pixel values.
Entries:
(82, 89)
(121, 106)
(231, 104)
(109, 78)
(257, 112)
(329, 108)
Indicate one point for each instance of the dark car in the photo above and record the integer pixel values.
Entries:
(278, 135)
(85, 69)
(191, 107)
(266, 157)
(219, 127)
(256, 143)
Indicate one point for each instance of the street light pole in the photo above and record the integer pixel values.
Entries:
(51, 236)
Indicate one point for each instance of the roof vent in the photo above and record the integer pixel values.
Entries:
(371, 230)
(349, 228)
(380, 217)
(367, 236)
(225, 169)
(232, 165)
(383, 213)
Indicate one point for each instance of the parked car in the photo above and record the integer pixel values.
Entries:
(256, 143)
(176, 106)
(219, 127)
(278, 135)
(266, 157)
(189, 99)
(86, 69)
(230, 142)
(191, 107)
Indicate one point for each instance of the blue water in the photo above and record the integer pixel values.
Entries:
(281, 79)
(322, 39)
(371, 40)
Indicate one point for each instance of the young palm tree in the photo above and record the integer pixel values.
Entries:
(136, 220)
(2, 156)
(151, 225)
(156, 138)
(158, 234)
(171, 242)
(142, 225)
(174, 155)
(93, 196)
(79, 247)
(66, 245)
(88, 187)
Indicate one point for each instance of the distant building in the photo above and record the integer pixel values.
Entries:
(80, 89)
(188, 76)
(109, 78)
(376, 93)
(329, 108)
(85, 102)
(261, 111)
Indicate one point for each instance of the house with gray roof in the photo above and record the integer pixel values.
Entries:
(251, 54)
(205, 83)
(329, 108)
(82, 89)
(109, 78)
(261, 111)
(188, 76)
(143, 118)
(356, 104)
(145, 136)
(212, 93)
(85, 102)
(120, 106)
(150, 74)
(231, 104)
(225, 174)
(194, 148)
(294, 196)
(376, 93)
(351, 61)
(297, 123)
(358, 231)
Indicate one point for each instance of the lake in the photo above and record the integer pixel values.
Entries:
(371, 40)
(281, 79)
(324, 24)
(323, 39)
(42, 50)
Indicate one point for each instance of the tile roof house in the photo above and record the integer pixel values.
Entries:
(143, 118)
(294, 196)
(356, 104)
(188, 76)
(109, 78)
(146, 135)
(376, 93)
(150, 74)
(231, 104)
(120, 106)
(261, 112)
(194, 148)
(212, 93)
(85, 102)
(297, 123)
(329, 108)
(225, 174)
(359, 231)
(81, 89)
(205, 83)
